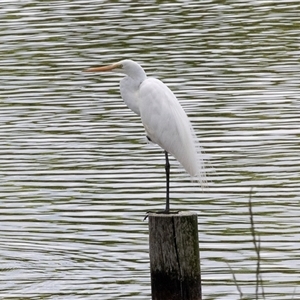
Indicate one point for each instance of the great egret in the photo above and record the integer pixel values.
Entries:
(165, 121)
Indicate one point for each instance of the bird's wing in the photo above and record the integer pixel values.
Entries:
(167, 124)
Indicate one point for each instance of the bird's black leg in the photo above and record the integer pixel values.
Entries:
(167, 168)
(167, 209)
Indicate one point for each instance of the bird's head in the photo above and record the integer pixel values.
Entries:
(127, 66)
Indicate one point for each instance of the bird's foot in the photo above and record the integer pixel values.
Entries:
(166, 212)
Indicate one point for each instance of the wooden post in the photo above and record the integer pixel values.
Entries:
(174, 256)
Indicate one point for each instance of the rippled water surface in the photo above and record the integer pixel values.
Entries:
(77, 174)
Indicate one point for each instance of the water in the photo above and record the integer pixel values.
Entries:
(77, 174)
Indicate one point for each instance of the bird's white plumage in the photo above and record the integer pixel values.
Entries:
(167, 124)
(165, 121)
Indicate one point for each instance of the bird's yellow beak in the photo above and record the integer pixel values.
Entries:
(104, 68)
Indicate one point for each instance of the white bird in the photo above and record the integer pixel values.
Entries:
(165, 121)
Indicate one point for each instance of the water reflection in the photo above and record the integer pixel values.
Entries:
(77, 174)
